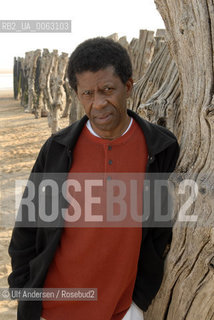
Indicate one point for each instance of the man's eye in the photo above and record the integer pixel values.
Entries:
(87, 93)
(108, 89)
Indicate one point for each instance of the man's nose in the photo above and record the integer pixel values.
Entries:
(99, 101)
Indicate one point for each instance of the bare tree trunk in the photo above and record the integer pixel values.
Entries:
(188, 285)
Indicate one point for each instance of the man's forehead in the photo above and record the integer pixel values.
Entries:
(97, 77)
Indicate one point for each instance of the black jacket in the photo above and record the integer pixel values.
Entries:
(32, 249)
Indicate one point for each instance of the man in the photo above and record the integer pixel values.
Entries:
(124, 264)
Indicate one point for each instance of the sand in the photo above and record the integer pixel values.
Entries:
(21, 139)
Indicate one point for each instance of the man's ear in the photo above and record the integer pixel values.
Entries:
(129, 86)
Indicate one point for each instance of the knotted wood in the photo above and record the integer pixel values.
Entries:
(187, 288)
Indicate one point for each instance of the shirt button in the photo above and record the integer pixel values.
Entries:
(109, 147)
(110, 162)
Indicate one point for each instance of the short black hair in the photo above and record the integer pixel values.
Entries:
(96, 54)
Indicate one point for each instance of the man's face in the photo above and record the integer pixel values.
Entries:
(103, 96)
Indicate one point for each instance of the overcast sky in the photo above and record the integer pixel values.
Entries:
(89, 19)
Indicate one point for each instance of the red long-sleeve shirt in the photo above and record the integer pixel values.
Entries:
(94, 257)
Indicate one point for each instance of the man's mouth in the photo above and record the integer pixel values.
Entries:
(103, 118)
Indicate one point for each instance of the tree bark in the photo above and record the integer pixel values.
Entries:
(162, 106)
(188, 284)
(160, 71)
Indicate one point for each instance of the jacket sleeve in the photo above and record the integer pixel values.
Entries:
(22, 247)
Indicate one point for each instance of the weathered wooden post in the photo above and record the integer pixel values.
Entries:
(187, 291)
(58, 92)
(32, 63)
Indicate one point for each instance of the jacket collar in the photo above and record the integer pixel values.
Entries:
(157, 138)
(69, 135)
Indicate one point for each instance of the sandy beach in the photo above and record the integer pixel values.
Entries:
(21, 139)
